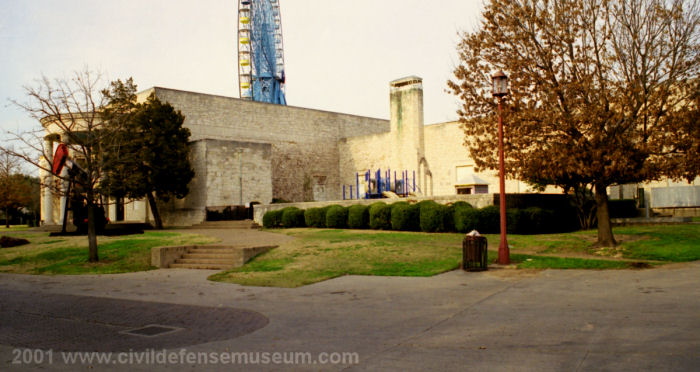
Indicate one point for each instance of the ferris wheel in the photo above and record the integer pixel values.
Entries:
(260, 52)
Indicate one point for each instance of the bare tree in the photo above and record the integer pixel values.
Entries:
(69, 113)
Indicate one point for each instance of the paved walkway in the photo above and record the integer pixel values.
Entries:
(250, 237)
(501, 320)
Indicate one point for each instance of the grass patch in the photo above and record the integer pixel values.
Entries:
(69, 255)
(576, 242)
(319, 254)
(675, 243)
(13, 228)
(265, 266)
(548, 262)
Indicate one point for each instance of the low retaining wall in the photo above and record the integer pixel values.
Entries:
(183, 217)
(650, 221)
(162, 257)
(678, 212)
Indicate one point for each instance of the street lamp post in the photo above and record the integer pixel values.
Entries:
(500, 89)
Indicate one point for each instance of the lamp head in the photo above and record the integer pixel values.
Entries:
(500, 84)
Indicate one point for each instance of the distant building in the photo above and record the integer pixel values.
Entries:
(244, 151)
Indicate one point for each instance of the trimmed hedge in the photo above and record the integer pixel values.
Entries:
(380, 216)
(534, 220)
(539, 221)
(489, 221)
(337, 217)
(466, 218)
(427, 216)
(315, 217)
(293, 217)
(623, 208)
(433, 216)
(358, 217)
(450, 218)
(514, 221)
(273, 219)
(405, 217)
(461, 204)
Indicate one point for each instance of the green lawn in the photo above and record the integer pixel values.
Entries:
(13, 228)
(319, 254)
(323, 254)
(549, 262)
(69, 255)
(676, 243)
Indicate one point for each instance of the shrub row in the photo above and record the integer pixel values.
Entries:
(623, 208)
(427, 216)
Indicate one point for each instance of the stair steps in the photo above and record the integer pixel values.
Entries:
(217, 257)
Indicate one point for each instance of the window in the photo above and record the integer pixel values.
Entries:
(464, 191)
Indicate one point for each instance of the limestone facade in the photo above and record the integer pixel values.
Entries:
(272, 151)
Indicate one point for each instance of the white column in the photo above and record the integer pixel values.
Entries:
(47, 201)
(47, 198)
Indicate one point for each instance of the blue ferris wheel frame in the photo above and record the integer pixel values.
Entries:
(267, 66)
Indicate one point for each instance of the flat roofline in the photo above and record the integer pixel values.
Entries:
(456, 121)
(156, 88)
(407, 78)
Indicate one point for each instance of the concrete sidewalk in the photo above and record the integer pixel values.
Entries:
(502, 320)
(250, 237)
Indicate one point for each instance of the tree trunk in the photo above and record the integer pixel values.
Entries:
(92, 233)
(605, 234)
(154, 209)
(7, 218)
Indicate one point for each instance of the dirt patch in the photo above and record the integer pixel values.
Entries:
(640, 265)
(616, 251)
(8, 241)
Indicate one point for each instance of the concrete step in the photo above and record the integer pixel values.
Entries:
(206, 249)
(217, 261)
(200, 266)
(213, 251)
(206, 257)
(212, 256)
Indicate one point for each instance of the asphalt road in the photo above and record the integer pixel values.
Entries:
(501, 320)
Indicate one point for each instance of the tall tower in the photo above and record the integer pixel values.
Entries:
(407, 141)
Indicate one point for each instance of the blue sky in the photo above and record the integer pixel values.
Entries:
(340, 55)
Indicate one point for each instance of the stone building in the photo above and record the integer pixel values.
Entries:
(244, 151)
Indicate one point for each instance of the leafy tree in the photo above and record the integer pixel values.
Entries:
(32, 188)
(602, 92)
(14, 192)
(151, 153)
